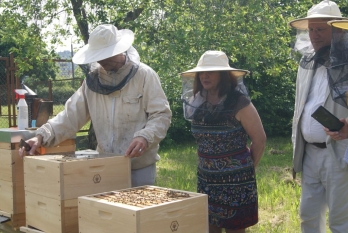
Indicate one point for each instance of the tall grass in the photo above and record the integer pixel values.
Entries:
(279, 194)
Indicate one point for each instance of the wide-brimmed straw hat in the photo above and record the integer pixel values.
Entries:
(213, 61)
(342, 24)
(104, 41)
(324, 10)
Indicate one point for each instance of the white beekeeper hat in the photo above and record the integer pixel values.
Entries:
(324, 10)
(213, 61)
(104, 41)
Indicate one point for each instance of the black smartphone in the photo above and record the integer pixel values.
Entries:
(327, 119)
(26, 146)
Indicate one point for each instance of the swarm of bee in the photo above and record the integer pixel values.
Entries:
(143, 197)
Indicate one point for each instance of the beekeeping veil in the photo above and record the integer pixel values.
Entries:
(325, 10)
(209, 61)
(338, 70)
(104, 42)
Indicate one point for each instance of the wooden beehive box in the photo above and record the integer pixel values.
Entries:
(144, 209)
(54, 182)
(12, 198)
(11, 179)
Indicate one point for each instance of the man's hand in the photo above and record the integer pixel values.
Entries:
(137, 147)
(341, 134)
(34, 143)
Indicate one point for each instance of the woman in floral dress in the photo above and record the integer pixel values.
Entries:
(222, 120)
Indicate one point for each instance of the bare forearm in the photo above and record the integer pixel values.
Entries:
(257, 150)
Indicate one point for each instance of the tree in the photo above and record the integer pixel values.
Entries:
(24, 40)
(171, 35)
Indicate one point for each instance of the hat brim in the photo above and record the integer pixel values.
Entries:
(86, 55)
(342, 24)
(192, 73)
(303, 22)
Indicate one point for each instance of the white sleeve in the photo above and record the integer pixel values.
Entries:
(68, 122)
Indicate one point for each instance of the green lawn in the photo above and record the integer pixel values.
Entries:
(279, 194)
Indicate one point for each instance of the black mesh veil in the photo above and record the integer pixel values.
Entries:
(303, 51)
(192, 104)
(106, 82)
(338, 70)
(312, 60)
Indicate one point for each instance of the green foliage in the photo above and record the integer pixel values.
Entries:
(24, 40)
(62, 89)
(171, 35)
(275, 101)
(62, 92)
(254, 35)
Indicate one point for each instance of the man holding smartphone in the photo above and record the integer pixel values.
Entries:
(315, 154)
(338, 73)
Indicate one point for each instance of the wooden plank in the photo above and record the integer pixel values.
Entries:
(44, 150)
(182, 215)
(12, 194)
(84, 177)
(6, 196)
(11, 166)
(6, 165)
(18, 220)
(107, 216)
(43, 177)
(186, 215)
(70, 216)
(18, 198)
(5, 145)
(12, 198)
(47, 157)
(50, 215)
(51, 177)
(43, 213)
(17, 167)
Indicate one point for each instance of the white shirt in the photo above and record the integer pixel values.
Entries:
(312, 130)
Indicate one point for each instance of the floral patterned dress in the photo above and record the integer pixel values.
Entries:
(225, 170)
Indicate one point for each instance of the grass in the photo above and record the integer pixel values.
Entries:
(279, 194)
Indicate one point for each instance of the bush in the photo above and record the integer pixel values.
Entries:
(63, 90)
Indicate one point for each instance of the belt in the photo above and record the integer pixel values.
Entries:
(320, 145)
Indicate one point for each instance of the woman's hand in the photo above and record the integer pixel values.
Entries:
(252, 124)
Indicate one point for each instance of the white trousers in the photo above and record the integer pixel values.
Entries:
(144, 176)
(324, 186)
